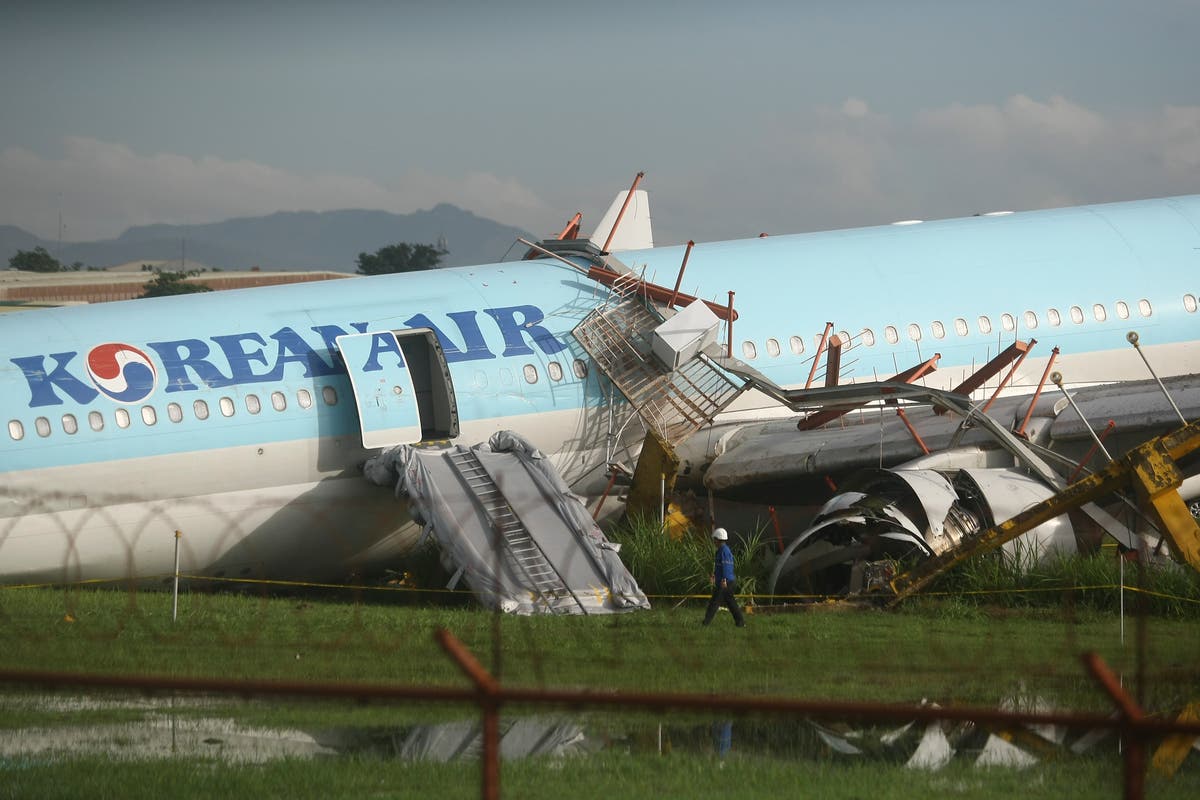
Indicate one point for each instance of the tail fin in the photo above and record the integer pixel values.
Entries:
(634, 231)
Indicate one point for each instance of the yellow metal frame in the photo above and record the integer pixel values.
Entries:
(1171, 753)
(1148, 469)
(656, 463)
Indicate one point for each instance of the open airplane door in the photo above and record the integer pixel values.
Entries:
(383, 388)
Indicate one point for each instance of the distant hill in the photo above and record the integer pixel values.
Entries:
(295, 240)
(13, 239)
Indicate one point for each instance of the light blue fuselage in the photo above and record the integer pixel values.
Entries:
(270, 383)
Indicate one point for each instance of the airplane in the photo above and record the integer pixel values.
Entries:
(241, 419)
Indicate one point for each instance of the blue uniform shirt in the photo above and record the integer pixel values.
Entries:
(723, 568)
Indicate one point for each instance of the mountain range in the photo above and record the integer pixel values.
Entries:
(287, 240)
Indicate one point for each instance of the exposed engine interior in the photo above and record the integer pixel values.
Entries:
(888, 519)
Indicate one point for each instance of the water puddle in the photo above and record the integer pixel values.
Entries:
(153, 727)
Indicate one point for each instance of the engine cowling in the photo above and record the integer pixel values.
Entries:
(890, 519)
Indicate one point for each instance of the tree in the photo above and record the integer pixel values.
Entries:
(35, 260)
(169, 283)
(401, 257)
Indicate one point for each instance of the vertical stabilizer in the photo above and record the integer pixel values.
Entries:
(634, 231)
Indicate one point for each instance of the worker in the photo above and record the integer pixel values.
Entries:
(723, 581)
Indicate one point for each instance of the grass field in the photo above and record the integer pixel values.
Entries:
(949, 652)
(946, 650)
(602, 776)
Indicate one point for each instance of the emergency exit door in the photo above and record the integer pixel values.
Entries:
(402, 386)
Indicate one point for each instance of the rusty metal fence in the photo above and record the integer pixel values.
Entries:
(1136, 729)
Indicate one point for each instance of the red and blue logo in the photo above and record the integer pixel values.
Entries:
(121, 372)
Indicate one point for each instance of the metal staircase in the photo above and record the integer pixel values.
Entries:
(521, 551)
(675, 404)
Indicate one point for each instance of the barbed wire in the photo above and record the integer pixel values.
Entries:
(749, 598)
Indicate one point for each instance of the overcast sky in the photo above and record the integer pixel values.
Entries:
(746, 116)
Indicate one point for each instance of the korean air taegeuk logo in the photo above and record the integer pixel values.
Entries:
(121, 372)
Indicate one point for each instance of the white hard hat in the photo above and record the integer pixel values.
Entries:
(720, 535)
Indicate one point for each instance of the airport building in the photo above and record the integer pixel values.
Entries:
(23, 290)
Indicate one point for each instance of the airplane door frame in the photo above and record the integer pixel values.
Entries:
(402, 386)
(437, 406)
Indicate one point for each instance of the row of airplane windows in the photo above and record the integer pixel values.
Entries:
(554, 371)
(227, 406)
(149, 414)
(1008, 322)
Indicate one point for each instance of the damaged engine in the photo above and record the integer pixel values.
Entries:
(891, 519)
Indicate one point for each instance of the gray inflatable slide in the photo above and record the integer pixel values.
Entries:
(507, 524)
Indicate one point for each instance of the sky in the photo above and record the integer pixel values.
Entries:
(747, 117)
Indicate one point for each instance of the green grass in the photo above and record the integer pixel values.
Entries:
(604, 775)
(1076, 581)
(670, 569)
(987, 635)
(953, 651)
(949, 651)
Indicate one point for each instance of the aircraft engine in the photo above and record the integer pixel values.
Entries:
(892, 518)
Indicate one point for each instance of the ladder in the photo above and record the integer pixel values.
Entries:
(522, 552)
(675, 404)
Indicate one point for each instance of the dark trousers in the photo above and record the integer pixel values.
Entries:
(724, 595)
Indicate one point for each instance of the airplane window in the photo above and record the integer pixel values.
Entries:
(42, 425)
(174, 412)
(70, 425)
(1030, 320)
(329, 395)
(1099, 313)
(868, 337)
(985, 325)
(939, 330)
(16, 430)
(530, 372)
(149, 415)
(555, 371)
(226, 405)
(914, 332)
(580, 368)
(960, 326)
(278, 401)
(253, 404)
(304, 398)
(1053, 317)
(122, 417)
(797, 344)
(1122, 309)
(749, 350)
(1077, 315)
(1189, 303)
(773, 347)
(1007, 322)
(1144, 308)
(200, 409)
(96, 420)
(480, 379)
(891, 334)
